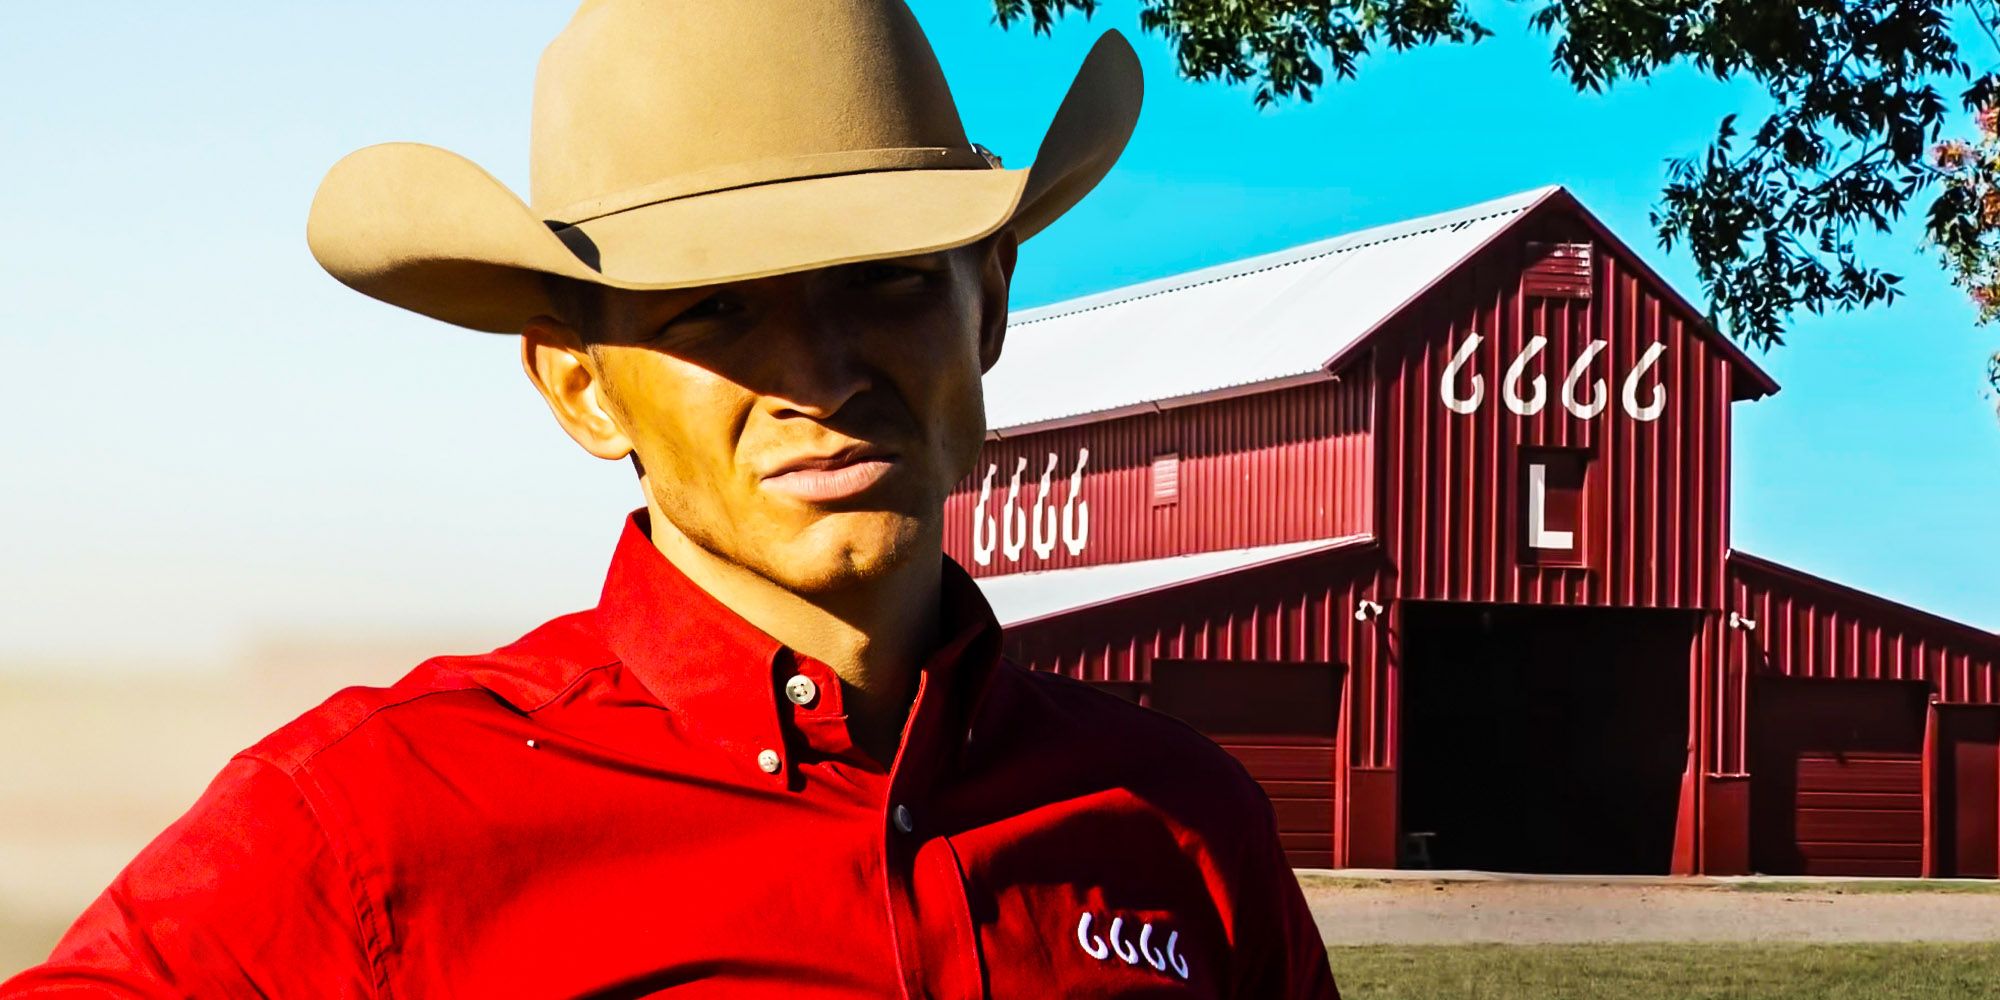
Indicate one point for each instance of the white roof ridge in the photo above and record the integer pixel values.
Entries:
(1297, 544)
(1032, 595)
(1387, 232)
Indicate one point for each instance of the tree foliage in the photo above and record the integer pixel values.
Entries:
(1770, 211)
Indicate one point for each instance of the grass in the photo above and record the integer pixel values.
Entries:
(1667, 971)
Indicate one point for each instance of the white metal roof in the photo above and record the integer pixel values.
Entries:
(1256, 320)
(1019, 597)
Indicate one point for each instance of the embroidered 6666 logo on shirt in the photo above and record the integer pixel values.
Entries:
(1131, 952)
(1140, 919)
(1157, 875)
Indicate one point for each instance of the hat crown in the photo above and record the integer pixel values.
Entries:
(654, 95)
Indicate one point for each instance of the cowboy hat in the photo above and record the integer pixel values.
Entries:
(679, 143)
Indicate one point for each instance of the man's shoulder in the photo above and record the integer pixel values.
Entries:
(517, 678)
(1146, 745)
(1095, 711)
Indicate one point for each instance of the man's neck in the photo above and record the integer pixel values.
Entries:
(874, 636)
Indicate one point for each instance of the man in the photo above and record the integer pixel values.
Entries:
(782, 755)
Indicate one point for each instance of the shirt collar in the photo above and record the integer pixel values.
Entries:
(723, 677)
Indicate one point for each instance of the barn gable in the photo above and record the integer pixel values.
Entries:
(1555, 426)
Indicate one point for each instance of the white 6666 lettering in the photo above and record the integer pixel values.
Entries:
(1118, 940)
(1015, 531)
(1531, 402)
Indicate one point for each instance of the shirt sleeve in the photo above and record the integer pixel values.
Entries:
(1281, 953)
(243, 896)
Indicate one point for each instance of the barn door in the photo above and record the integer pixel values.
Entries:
(1279, 720)
(1966, 790)
(1837, 777)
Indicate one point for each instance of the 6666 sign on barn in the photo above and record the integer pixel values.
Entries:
(1429, 525)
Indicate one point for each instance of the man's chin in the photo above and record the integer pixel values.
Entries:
(825, 561)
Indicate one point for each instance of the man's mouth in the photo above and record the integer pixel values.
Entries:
(838, 475)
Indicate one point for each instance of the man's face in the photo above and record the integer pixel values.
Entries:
(808, 427)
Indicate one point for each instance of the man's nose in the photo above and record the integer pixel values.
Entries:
(815, 359)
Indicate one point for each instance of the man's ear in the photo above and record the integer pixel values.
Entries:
(561, 368)
(996, 277)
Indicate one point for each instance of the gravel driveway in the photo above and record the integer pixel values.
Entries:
(1418, 912)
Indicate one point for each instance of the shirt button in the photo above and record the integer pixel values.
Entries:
(904, 822)
(768, 760)
(801, 690)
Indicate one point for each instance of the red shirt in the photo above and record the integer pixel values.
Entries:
(652, 796)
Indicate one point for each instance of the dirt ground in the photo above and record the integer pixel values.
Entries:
(1354, 913)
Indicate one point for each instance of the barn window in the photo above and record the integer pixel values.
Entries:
(1557, 271)
(1166, 479)
(1551, 505)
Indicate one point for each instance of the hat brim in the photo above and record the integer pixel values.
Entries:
(428, 230)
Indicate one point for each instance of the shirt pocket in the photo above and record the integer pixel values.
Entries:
(1072, 944)
(1100, 899)
(1141, 952)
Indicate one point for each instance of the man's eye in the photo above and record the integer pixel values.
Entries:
(881, 274)
(708, 308)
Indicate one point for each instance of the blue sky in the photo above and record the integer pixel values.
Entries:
(209, 442)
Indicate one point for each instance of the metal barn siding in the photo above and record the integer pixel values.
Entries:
(1292, 610)
(1712, 831)
(1295, 610)
(1837, 777)
(1280, 721)
(1962, 756)
(1855, 802)
(1805, 626)
(1280, 466)
(1655, 494)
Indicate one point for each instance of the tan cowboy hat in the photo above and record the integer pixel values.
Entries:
(694, 142)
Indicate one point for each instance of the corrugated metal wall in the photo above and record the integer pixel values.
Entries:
(1656, 515)
(1281, 722)
(1298, 610)
(1837, 777)
(1277, 467)
(1809, 627)
(1861, 814)
(1294, 610)
(1291, 610)
(1964, 751)
(1817, 629)
(1843, 807)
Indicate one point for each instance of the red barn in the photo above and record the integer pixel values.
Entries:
(1429, 525)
